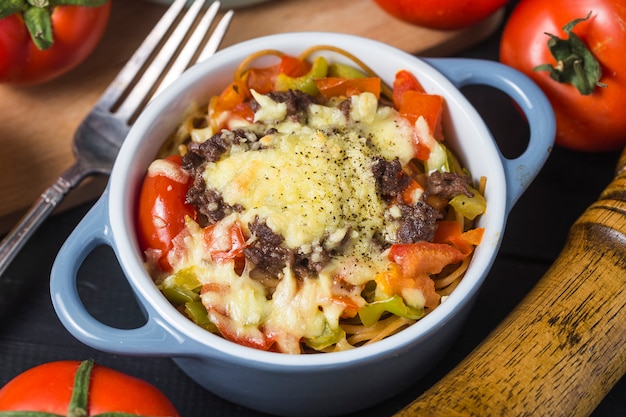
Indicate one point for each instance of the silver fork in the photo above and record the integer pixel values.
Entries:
(176, 42)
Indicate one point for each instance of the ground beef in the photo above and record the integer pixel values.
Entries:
(391, 180)
(311, 263)
(212, 149)
(209, 204)
(345, 107)
(297, 102)
(448, 184)
(266, 252)
(417, 223)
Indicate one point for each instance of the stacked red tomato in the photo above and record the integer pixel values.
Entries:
(72, 388)
(441, 14)
(40, 41)
(574, 50)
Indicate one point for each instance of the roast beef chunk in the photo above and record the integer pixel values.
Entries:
(448, 184)
(418, 222)
(390, 178)
(266, 251)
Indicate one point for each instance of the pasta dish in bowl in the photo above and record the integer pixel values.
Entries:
(305, 210)
(306, 227)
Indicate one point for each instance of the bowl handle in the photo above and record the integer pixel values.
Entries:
(152, 338)
(531, 100)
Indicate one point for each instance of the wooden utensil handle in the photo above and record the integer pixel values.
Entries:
(563, 348)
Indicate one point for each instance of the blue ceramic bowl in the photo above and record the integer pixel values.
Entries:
(316, 384)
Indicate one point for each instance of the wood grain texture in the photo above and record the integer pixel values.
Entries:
(37, 123)
(564, 347)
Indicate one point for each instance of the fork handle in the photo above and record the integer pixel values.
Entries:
(39, 211)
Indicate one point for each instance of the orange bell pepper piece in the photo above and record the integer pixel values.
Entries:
(334, 86)
(293, 67)
(449, 231)
(430, 106)
(404, 81)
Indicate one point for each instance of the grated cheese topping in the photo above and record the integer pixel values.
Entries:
(311, 183)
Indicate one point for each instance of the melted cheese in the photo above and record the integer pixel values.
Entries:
(312, 184)
(311, 181)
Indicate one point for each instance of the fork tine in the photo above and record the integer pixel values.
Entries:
(215, 39)
(124, 78)
(155, 70)
(184, 58)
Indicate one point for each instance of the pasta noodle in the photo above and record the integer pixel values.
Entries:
(320, 213)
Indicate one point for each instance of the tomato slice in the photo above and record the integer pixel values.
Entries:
(162, 207)
(262, 80)
(227, 247)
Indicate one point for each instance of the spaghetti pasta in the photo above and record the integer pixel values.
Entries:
(311, 213)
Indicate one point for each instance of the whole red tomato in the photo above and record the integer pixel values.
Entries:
(53, 388)
(585, 122)
(65, 36)
(441, 14)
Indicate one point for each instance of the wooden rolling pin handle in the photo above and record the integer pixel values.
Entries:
(563, 348)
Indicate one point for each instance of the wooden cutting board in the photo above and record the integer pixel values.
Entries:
(37, 122)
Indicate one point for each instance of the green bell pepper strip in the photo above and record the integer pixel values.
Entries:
(337, 69)
(469, 207)
(371, 313)
(329, 337)
(305, 83)
(196, 311)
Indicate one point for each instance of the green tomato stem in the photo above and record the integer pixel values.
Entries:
(39, 26)
(576, 64)
(80, 392)
(79, 403)
(37, 16)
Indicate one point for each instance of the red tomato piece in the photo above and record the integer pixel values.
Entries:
(417, 261)
(162, 207)
(227, 248)
(262, 80)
